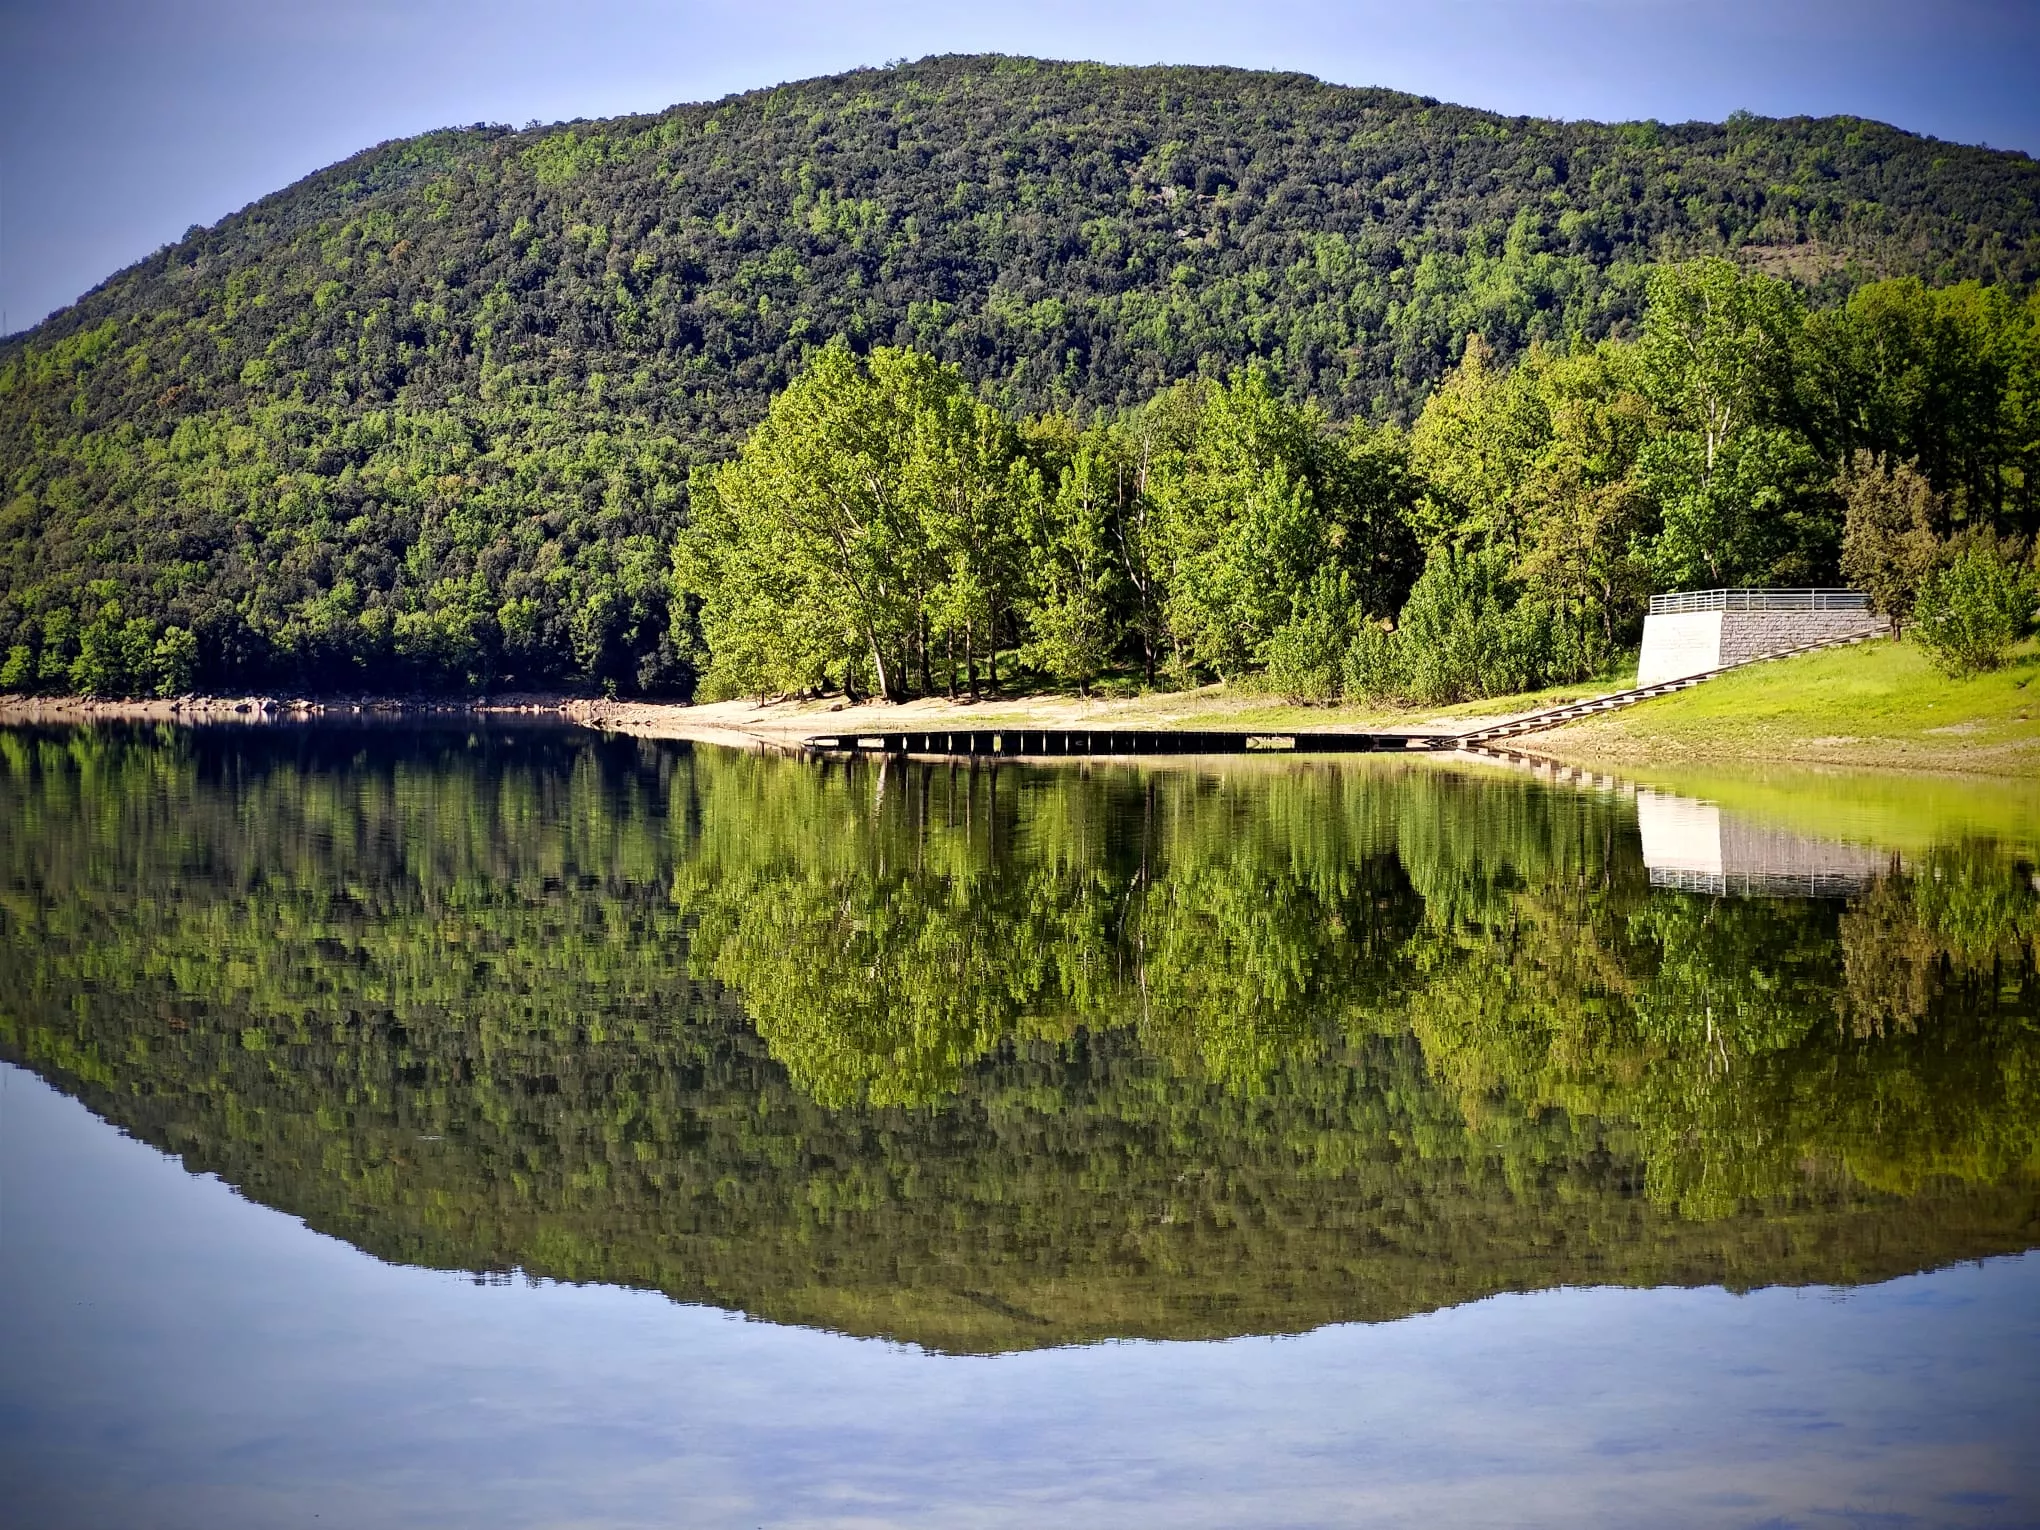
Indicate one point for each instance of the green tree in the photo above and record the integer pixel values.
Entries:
(1253, 496)
(1975, 606)
(1739, 486)
(1588, 512)
(174, 662)
(1075, 540)
(1940, 378)
(974, 492)
(1474, 446)
(805, 550)
(1891, 536)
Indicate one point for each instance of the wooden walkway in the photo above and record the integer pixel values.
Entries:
(1062, 743)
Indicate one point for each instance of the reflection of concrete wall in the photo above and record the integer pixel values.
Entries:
(1692, 642)
(1694, 845)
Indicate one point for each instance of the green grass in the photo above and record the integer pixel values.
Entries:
(1879, 704)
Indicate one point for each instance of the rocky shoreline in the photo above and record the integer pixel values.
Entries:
(755, 728)
(270, 709)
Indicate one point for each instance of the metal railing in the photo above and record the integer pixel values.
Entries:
(1758, 600)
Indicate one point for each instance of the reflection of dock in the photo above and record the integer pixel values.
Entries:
(1696, 847)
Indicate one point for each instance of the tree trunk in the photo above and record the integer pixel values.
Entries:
(885, 689)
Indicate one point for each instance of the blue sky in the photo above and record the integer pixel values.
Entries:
(123, 122)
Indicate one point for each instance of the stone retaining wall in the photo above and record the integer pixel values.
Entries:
(1745, 635)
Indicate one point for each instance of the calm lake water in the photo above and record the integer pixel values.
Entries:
(512, 1127)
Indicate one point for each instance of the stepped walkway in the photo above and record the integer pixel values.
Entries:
(1614, 701)
(1057, 743)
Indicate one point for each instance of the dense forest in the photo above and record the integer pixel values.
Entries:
(885, 530)
(996, 1059)
(428, 417)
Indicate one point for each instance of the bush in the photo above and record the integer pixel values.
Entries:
(1373, 666)
(1974, 608)
(1304, 656)
(1468, 630)
(1451, 623)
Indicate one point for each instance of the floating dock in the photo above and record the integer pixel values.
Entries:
(1061, 743)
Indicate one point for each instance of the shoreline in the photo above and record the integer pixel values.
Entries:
(782, 725)
(767, 721)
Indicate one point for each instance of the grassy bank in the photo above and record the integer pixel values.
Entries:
(1880, 704)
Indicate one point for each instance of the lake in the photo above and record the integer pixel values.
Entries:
(449, 1125)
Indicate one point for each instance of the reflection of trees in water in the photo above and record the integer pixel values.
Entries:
(1027, 1057)
(1233, 922)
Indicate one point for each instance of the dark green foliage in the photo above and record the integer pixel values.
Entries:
(1469, 629)
(426, 417)
(1891, 532)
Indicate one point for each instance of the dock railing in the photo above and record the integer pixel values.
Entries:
(1758, 600)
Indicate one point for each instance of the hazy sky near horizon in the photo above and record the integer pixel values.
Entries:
(123, 122)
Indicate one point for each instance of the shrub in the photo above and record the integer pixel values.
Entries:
(1469, 630)
(1973, 608)
(1450, 624)
(1304, 655)
(1373, 666)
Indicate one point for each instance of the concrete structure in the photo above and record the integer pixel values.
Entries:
(1699, 630)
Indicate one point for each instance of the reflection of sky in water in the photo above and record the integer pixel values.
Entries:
(176, 1356)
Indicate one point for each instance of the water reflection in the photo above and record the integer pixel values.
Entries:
(1695, 846)
(1001, 1059)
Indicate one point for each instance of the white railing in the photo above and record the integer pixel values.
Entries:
(1758, 600)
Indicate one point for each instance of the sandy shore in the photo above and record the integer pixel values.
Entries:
(777, 723)
(788, 722)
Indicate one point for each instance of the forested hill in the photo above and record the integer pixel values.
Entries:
(1072, 228)
(455, 382)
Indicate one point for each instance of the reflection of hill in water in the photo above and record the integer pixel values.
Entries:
(1054, 1058)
